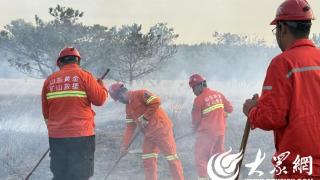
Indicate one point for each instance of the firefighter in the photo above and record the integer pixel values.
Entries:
(209, 113)
(67, 96)
(289, 102)
(143, 110)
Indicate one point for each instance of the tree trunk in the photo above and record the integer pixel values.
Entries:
(131, 77)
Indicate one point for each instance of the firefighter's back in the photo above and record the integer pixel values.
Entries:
(70, 93)
(302, 134)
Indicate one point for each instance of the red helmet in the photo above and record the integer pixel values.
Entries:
(293, 10)
(114, 90)
(195, 79)
(69, 51)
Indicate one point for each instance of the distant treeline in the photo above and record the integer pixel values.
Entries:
(32, 49)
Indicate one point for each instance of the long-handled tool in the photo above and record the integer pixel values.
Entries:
(105, 74)
(45, 154)
(122, 155)
(245, 138)
(35, 167)
(184, 136)
(243, 145)
(188, 134)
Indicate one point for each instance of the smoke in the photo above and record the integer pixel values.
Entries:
(237, 72)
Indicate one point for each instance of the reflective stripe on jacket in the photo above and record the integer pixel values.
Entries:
(209, 110)
(290, 104)
(67, 96)
(143, 103)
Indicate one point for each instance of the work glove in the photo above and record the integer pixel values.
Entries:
(250, 103)
(100, 82)
(226, 114)
(46, 121)
(123, 151)
(143, 122)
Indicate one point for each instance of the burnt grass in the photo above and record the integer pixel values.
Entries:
(23, 140)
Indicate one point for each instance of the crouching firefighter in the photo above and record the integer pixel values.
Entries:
(143, 110)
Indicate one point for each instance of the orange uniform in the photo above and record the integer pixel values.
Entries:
(208, 118)
(158, 134)
(289, 105)
(66, 102)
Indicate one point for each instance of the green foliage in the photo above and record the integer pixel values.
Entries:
(34, 48)
(230, 39)
(65, 15)
(141, 54)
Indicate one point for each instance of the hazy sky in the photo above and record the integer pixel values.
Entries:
(194, 20)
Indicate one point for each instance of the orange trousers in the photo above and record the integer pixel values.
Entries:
(164, 142)
(206, 146)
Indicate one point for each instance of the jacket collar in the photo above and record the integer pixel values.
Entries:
(71, 66)
(301, 42)
(205, 90)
